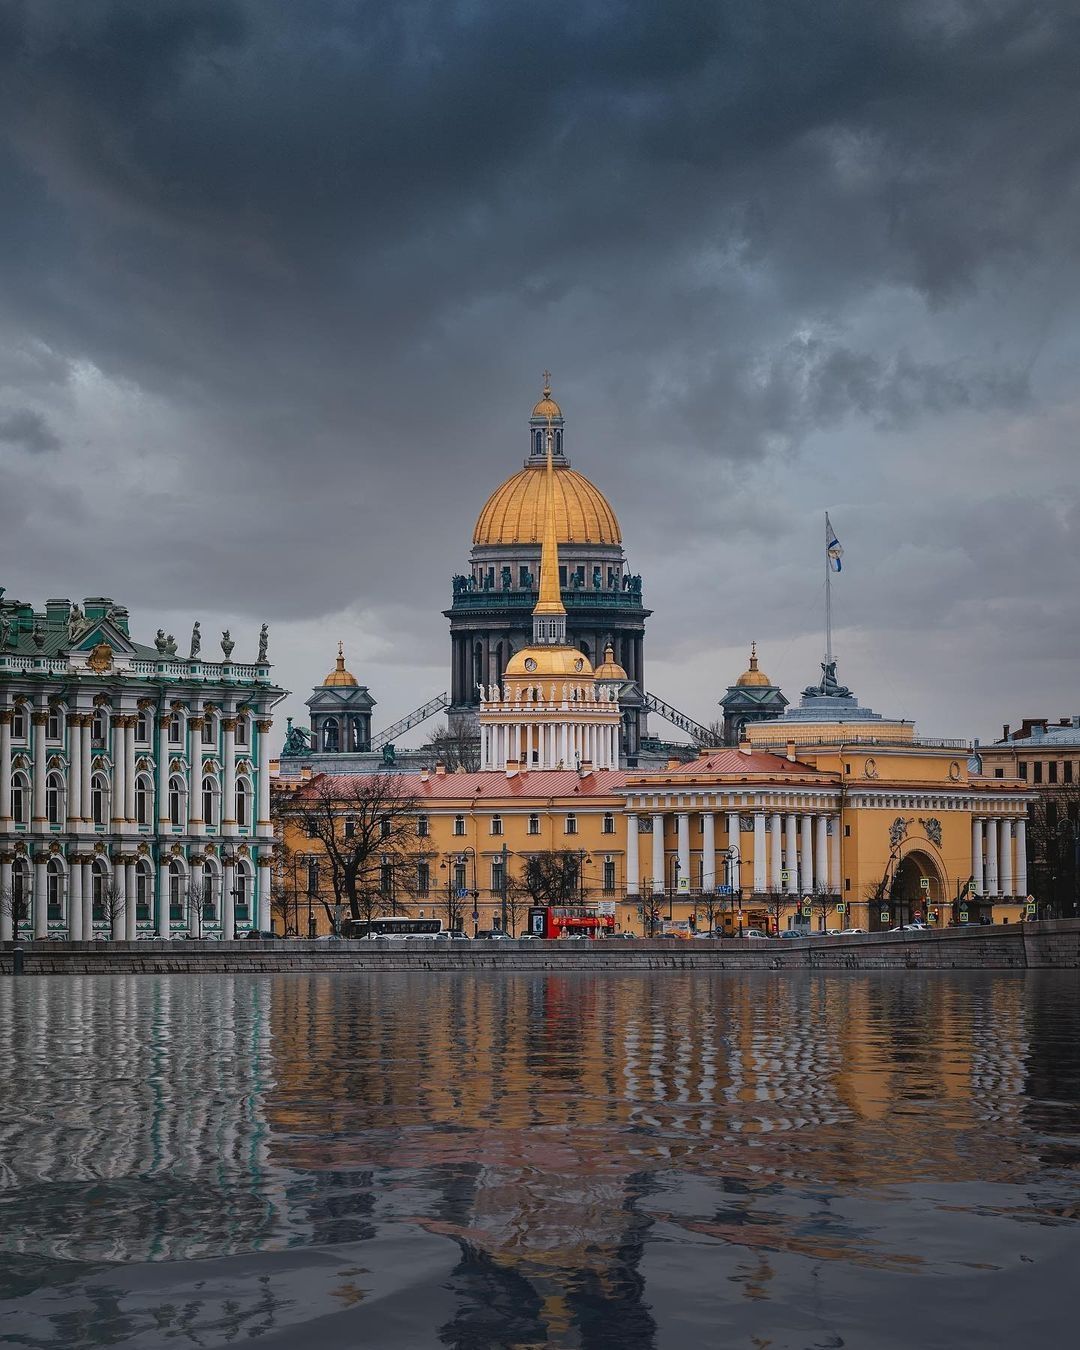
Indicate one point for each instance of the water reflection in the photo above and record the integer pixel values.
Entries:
(592, 1161)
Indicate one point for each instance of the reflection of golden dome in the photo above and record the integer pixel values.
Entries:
(537, 663)
(609, 669)
(339, 675)
(753, 675)
(514, 513)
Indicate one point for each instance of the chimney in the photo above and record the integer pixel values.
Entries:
(424, 775)
(586, 768)
(1005, 732)
(511, 768)
(674, 763)
(791, 751)
(744, 747)
(440, 768)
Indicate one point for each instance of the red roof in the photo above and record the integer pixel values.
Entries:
(735, 762)
(491, 784)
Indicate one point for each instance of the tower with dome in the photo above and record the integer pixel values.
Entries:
(491, 616)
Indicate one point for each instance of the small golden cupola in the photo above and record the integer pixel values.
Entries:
(609, 668)
(339, 676)
(753, 676)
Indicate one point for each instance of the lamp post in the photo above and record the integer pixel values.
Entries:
(673, 891)
(504, 853)
(312, 883)
(734, 880)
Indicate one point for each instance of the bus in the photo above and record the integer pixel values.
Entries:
(554, 921)
(390, 928)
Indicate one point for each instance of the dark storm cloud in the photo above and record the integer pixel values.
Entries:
(28, 430)
(311, 258)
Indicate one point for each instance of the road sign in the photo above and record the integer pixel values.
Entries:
(841, 907)
(931, 916)
(475, 914)
(1031, 907)
(963, 916)
(723, 890)
(924, 883)
(806, 908)
(884, 916)
(462, 894)
(684, 885)
(785, 875)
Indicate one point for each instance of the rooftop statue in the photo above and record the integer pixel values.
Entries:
(389, 754)
(296, 740)
(196, 641)
(828, 688)
(264, 638)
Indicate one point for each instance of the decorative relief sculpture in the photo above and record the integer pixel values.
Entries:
(932, 826)
(897, 831)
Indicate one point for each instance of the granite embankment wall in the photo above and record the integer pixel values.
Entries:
(1051, 944)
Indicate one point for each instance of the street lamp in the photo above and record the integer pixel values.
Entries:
(503, 884)
(312, 883)
(734, 880)
(674, 889)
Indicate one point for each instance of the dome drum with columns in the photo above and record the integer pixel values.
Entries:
(340, 712)
(491, 614)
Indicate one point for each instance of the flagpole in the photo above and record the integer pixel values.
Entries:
(828, 597)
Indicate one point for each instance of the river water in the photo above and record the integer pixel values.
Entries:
(603, 1161)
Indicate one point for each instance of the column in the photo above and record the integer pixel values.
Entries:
(806, 871)
(836, 857)
(228, 785)
(760, 856)
(38, 720)
(6, 926)
(87, 869)
(85, 764)
(776, 853)
(196, 824)
(682, 821)
(821, 847)
(791, 853)
(119, 768)
(658, 853)
(708, 852)
(75, 898)
(129, 772)
(1021, 858)
(74, 772)
(162, 897)
(977, 874)
(262, 880)
(7, 716)
(992, 887)
(41, 894)
(130, 890)
(1006, 870)
(633, 884)
(228, 900)
(163, 779)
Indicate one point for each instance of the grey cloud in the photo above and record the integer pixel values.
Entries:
(28, 430)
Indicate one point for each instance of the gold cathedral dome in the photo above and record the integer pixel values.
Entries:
(339, 676)
(514, 513)
(753, 676)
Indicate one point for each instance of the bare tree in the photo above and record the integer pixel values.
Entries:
(112, 905)
(551, 878)
(366, 826)
(1053, 838)
(454, 747)
(14, 909)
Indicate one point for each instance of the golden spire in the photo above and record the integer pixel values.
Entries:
(550, 601)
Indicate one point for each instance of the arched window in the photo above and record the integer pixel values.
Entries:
(19, 723)
(142, 728)
(20, 798)
(176, 877)
(209, 729)
(243, 803)
(99, 799)
(54, 882)
(176, 800)
(539, 446)
(143, 888)
(54, 799)
(211, 891)
(210, 802)
(243, 888)
(330, 733)
(20, 891)
(558, 442)
(99, 727)
(144, 799)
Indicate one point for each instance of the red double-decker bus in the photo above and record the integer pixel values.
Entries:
(553, 921)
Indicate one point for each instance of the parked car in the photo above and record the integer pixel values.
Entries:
(850, 932)
(795, 933)
(756, 933)
(712, 935)
(450, 935)
(255, 934)
(916, 928)
(491, 935)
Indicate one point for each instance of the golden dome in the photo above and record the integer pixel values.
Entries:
(609, 668)
(753, 676)
(514, 513)
(339, 676)
(547, 407)
(537, 663)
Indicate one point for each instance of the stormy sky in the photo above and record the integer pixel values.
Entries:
(277, 283)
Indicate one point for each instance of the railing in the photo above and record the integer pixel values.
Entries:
(676, 718)
(426, 710)
(526, 600)
(842, 738)
(181, 670)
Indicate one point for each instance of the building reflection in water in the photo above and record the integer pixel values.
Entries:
(554, 1129)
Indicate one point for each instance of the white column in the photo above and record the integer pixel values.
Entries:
(7, 715)
(682, 821)
(806, 871)
(633, 883)
(196, 824)
(119, 767)
(228, 900)
(228, 786)
(977, 873)
(776, 851)
(129, 772)
(1021, 858)
(658, 853)
(262, 875)
(836, 858)
(821, 845)
(163, 780)
(5, 889)
(74, 771)
(1006, 870)
(791, 853)
(761, 882)
(992, 886)
(87, 870)
(708, 852)
(38, 720)
(86, 760)
(75, 898)
(41, 894)
(163, 927)
(130, 892)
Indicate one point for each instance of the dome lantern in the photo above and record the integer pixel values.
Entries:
(339, 676)
(546, 413)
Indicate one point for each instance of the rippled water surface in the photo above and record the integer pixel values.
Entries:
(616, 1161)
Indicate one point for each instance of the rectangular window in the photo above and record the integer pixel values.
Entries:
(52, 727)
(1036, 771)
(847, 883)
(562, 576)
(1023, 770)
(1051, 771)
(571, 824)
(386, 878)
(350, 828)
(384, 827)
(847, 831)
(1067, 771)
(423, 879)
(999, 773)
(609, 822)
(459, 824)
(312, 877)
(498, 876)
(208, 731)
(609, 875)
(496, 825)
(1051, 815)
(241, 731)
(534, 824)
(174, 729)
(459, 877)
(423, 828)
